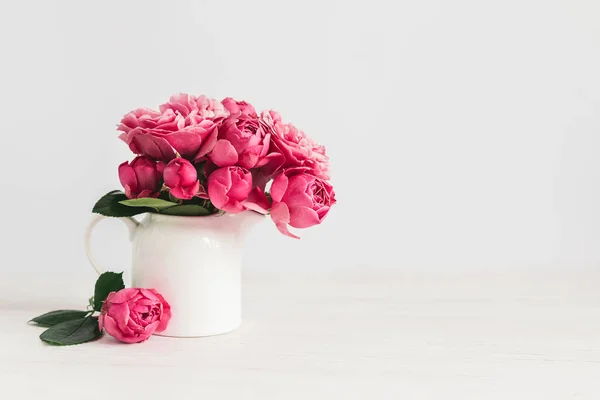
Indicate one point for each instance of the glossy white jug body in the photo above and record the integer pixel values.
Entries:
(195, 263)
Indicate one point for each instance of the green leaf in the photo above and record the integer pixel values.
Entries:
(109, 206)
(189, 210)
(72, 332)
(56, 317)
(157, 204)
(205, 203)
(106, 283)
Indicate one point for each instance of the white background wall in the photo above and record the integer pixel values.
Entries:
(462, 134)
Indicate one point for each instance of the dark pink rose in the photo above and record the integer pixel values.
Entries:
(235, 107)
(186, 126)
(228, 187)
(298, 150)
(133, 315)
(300, 200)
(182, 179)
(141, 177)
(242, 141)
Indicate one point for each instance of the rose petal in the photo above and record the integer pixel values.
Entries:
(119, 312)
(257, 201)
(217, 194)
(157, 148)
(279, 186)
(283, 228)
(149, 294)
(296, 193)
(233, 207)
(128, 179)
(140, 308)
(274, 162)
(171, 177)
(185, 192)
(186, 142)
(303, 217)
(110, 297)
(151, 328)
(166, 312)
(123, 295)
(224, 154)
(280, 214)
(110, 326)
(322, 212)
(248, 160)
(208, 144)
(219, 183)
(241, 186)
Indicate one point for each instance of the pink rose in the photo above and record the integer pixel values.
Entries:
(228, 187)
(297, 149)
(182, 179)
(242, 140)
(185, 126)
(300, 200)
(141, 177)
(133, 315)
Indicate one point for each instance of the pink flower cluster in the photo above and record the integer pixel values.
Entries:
(226, 153)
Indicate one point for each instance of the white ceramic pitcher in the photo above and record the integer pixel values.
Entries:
(194, 262)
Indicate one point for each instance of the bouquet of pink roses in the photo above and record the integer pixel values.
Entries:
(197, 156)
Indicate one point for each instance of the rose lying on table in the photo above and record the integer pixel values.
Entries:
(133, 315)
(130, 315)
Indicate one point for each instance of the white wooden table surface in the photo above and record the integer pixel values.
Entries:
(355, 334)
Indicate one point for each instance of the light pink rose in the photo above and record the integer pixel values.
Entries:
(242, 139)
(133, 315)
(185, 126)
(298, 150)
(182, 179)
(300, 200)
(141, 177)
(228, 187)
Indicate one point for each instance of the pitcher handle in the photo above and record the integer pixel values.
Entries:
(131, 224)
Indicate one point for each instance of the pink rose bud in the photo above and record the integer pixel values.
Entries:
(182, 179)
(300, 200)
(133, 315)
(141, 177)
(228, 187)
